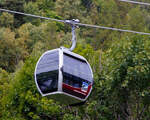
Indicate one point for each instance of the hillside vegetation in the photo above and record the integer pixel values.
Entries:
(120, 61)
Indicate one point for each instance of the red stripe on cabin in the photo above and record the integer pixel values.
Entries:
(77, 90)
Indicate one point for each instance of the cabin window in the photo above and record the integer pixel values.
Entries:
(77, 67)
(72, 80)
(48, 81)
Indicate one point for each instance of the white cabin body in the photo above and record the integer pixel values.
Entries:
(64, 76)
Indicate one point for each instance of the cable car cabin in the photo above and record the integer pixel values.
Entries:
(64, 76)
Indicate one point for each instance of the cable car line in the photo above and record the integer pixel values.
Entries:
(76, 23)
(135, 2)
(31, 15)
(111, 28)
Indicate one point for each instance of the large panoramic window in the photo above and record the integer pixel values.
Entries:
(48, 81)
(76, 67)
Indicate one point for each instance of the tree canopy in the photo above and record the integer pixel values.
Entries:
(120, 61)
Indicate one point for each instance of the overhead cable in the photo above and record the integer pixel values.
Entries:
(135, 2)
(75, 23)
(111, 28)
(31, 15)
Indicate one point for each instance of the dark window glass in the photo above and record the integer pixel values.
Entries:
(74, 81)
(77, 67)
(48, 81)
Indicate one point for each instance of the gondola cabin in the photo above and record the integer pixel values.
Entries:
(64, 76)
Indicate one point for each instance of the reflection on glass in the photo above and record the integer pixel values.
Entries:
(74, 81)
(84, 86)
(48, 81)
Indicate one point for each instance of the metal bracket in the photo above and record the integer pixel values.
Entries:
(74, 26)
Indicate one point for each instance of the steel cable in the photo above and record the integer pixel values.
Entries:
(75, 23)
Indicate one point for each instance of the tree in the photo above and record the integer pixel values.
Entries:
(126, 78)
(6, 20)
(7, 51)
(46, 33)
(22, 99)
(4, 84)
(32, 8)
(16, 5)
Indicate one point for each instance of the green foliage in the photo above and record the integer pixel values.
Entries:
(137, 22)
(129, 76)
(31, 8)
(4, 84)
(23, 95)
(6, 20)
(46, 33)
(7, 51)
(16, 5)
(62, 7)
(46, 5)
(71, 117)
(120, 61)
